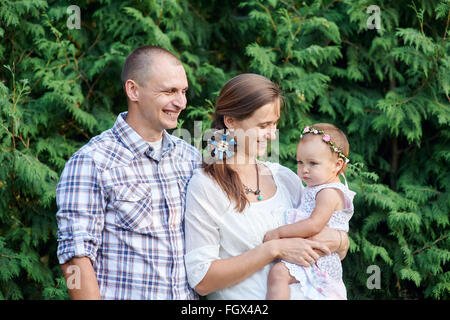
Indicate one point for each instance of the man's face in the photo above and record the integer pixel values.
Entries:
(163, 96)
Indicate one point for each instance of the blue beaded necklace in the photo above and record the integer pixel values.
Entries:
(256, 192)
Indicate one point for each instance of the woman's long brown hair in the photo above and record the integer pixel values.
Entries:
(239, 98)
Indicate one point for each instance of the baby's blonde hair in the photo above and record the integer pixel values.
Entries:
(337, 136)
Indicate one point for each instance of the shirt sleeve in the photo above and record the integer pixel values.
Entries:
(81, 205)
(201, 230)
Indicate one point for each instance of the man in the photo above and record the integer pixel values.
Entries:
(121, 196)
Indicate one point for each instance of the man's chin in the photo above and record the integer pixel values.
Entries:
(170, 125)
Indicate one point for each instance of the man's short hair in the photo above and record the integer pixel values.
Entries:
(138, 64)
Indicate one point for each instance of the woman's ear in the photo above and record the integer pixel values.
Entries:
(229, 122)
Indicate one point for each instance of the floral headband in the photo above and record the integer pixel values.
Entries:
(327, 139)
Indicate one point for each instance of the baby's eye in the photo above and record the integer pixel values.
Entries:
(299, 162)
(313, 163)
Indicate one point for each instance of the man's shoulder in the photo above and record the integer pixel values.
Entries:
(103, 151)
(185, 149)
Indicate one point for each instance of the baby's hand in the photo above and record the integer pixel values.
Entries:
(272, 235)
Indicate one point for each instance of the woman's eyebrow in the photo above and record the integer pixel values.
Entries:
(267, 122)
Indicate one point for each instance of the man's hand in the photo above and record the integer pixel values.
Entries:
(272, 235)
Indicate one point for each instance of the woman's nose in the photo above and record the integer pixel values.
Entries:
(272, 134)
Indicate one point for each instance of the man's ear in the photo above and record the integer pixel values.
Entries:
(132, 90)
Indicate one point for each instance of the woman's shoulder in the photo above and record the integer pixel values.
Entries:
(203, 190)
(284, 174)
(202, 183)
(288, 181)
(200, 177)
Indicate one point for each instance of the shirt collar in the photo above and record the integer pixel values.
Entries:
(134, 141)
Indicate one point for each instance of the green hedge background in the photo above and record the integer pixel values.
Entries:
(387, 88)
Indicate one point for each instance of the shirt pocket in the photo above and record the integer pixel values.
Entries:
(133, 206)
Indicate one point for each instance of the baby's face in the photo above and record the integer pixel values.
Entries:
(316, 162)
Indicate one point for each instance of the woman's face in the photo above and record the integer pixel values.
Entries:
(256, 130)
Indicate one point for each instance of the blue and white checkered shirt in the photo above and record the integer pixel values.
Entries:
(124, 209)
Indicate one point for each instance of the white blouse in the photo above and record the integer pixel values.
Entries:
(215, 230)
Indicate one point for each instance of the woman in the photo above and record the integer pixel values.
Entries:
(232, 203)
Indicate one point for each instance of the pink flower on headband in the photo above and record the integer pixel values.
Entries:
(306, 129)
(326, 138)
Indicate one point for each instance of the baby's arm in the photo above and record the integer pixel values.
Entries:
(327, 201)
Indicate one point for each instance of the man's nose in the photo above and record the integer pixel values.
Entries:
(180, 100)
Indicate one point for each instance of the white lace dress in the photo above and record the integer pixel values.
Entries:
(324, 279)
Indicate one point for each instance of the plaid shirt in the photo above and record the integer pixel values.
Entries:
(124, 209)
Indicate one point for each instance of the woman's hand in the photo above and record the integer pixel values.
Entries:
(227, 272)
(336, 240)
(272, 235)
(300, 251)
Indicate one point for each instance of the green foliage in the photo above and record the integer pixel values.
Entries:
(388, 89)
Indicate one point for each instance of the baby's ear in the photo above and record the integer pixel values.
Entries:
(339, 165)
